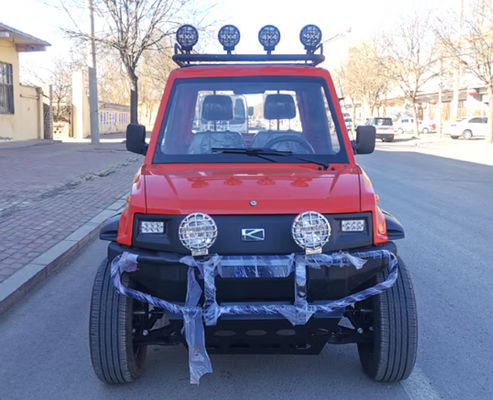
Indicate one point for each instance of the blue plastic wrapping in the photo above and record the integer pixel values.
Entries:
(298, 313)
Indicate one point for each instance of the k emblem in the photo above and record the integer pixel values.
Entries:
(252, 234)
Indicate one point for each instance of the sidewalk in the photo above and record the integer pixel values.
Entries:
(51, 190)
(474, 150)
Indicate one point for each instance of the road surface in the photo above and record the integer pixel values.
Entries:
(446, 207)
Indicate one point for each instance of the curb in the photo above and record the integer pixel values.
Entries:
(18, 285)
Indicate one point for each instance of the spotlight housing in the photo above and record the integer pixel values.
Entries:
(229, 36)
(311, 231)
(269, 36)
(187, 37)
(197, 232)
(310, 37)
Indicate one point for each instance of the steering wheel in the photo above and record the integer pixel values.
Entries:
(291, 138)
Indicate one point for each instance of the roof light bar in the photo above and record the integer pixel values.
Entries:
(187, 36)
(229, 36)
(269, 36)
(310, 37)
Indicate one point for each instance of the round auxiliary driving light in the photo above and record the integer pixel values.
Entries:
(187, 37)
(311, 231)
(197, 232)
(229, 36)
(310, 36)
(269, 37)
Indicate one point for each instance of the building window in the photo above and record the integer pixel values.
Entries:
(6, 89)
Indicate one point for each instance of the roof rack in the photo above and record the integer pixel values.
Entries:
(229, 36)
(184, 59)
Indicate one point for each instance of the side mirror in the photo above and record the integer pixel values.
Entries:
(250, 111)
(365, 140)
(136, 139)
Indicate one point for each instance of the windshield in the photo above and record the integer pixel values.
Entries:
(284, 114)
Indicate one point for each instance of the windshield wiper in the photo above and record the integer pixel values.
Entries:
(262, 152)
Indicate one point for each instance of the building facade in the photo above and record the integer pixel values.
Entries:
(21, 106)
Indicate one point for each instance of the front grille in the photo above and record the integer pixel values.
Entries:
(277, 238)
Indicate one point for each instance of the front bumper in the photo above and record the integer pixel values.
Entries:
(202, 307)
(162, 275)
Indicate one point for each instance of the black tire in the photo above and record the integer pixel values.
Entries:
(391, 356)
(114, 357)
(467, 134)
(454, 137)
(425, 131)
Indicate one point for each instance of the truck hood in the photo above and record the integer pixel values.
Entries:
(250, 189)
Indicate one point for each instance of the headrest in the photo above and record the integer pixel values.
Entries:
(217, 108)
(279, 106)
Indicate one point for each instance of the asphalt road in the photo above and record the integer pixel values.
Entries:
(446, 207)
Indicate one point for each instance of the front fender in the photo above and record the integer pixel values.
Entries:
(109, 230)
(395, 230)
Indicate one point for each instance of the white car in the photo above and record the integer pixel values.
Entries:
(467, 127)
(383, 126)
(407, 125)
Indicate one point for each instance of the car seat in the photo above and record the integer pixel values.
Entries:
(215, 108)
(277, 106)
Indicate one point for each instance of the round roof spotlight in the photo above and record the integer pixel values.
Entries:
(269, 36)
(311, 231)
(229, 36)
(310, 36)
(197, 232)
(187, 36)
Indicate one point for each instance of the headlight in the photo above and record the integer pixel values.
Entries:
(311, 231)
(353, 225)
(151, 227)
(197, 233)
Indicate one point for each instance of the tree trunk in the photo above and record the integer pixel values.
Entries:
(415, 117)
(134, 100)
(353, 117)
(489, 135)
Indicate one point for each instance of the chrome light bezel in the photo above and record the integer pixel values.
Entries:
(311, 231)
(197, 232)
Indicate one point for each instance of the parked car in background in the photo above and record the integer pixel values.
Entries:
(383, 126)
(349, 121)
(467, 127)
(405, 125)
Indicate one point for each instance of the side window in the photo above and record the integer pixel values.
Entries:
(475, 120)
(334, 140)
(6, 89)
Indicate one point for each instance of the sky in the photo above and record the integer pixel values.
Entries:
(365, 18)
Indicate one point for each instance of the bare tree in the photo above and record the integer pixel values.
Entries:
(407, 56)
(362, 77)
(131, 28)
(473, 48)
(61, 78)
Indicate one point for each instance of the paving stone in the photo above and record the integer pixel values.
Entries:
(41, 206)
